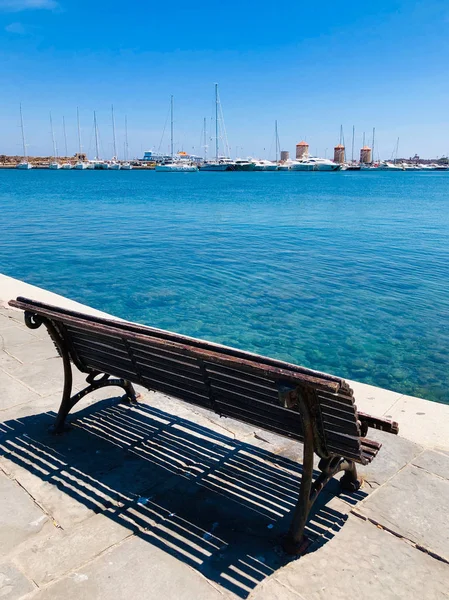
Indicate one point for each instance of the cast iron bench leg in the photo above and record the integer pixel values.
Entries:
(95, 382)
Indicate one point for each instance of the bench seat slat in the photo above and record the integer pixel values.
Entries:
(163, 377)
(243, 384)
(110, 368)
(221, 388)
(151, 347)
(92, 340)
(172, 389)
(341, 425)
(281, 416)
(101, 352)
(228, 408)
(340, 398)
(218, 369)
(259, 422)
(87, 331)
(343, 440)
(168, 364)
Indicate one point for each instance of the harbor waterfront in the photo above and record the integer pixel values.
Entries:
(342, 273)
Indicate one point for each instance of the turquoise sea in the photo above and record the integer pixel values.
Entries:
(343, 272)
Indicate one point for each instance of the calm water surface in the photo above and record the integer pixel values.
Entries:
(342, 272)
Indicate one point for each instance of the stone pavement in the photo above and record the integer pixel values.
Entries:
(164, 500)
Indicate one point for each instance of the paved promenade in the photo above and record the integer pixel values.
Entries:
(166, 501)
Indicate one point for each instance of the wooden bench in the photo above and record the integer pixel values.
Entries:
(308, 406)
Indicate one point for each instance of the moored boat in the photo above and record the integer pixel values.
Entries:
(265, 165)
(315, 164)
(242, 164)
(176, 167)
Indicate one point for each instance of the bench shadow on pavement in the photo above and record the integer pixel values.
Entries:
(213, 502)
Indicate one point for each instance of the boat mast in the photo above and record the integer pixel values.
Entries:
(23, 133)
(171, 126)
(126, 138)
(352, 152)
(113, 132)
(372, 149)
(216, 122)
(53, 138)
(205, 139)
(276, 141)
(96, 135)
(79, 130)
(65, 135)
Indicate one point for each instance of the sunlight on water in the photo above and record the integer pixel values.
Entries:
(342, 272)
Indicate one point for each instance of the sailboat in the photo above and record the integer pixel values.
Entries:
(24, 164)
(98, 164)
(114, 164)
(80, 165)
(175, 166)
(65, 165)
(126, 165)
(54, 164)
(220, 163)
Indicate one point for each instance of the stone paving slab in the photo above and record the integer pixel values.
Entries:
(62, 552)
(362, 562)
(137, 570)
(20, 517)
(421, 421)
(434, 462)
(13, 392)
(13, 583)
(373, 400)
(15, 336)
(415, 505)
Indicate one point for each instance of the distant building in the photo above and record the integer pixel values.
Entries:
(302, 150)
(366, 155)
(339, 154)
(285, 155)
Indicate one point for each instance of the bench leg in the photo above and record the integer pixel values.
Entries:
(349, 482)
(295, 541)
(68, 402)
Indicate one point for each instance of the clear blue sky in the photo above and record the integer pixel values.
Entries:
(310, 65)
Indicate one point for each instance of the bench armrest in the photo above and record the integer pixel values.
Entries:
(377, 423)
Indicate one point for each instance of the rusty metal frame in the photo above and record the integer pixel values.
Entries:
(95, 379)
(295, 541)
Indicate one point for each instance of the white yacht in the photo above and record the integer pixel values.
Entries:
(126, 166)
(24, 164)
(114, 165)
(176, 167)
(222, 164)
(80, 166)
(389, 166)
(54, 165)
(66, 166)
(315, 164)
(214, 166)
(243, 164)
(265, 165)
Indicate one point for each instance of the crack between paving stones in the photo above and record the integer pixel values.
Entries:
(411, 542)
(430, 472)
(40, 506)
